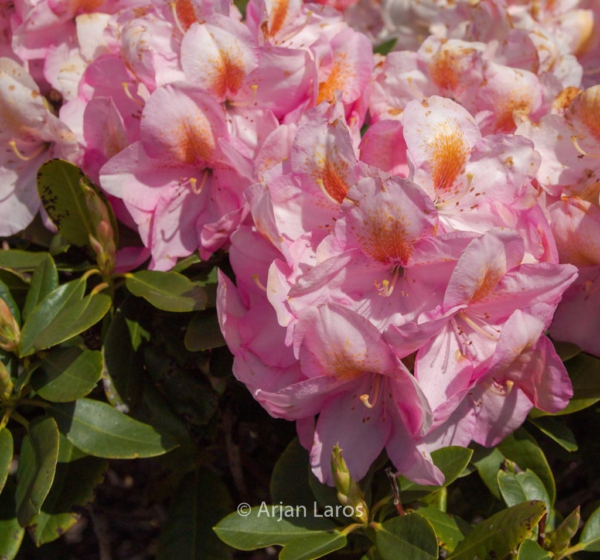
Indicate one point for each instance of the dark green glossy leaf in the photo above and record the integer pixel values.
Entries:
(488, 463)
(557, 431)
(10, 301)
(76, 476)
(289, 481)
(189, 394)
(313, 546)
(11, 533)
(521, 448)
(123, 365)
(531, 550)
(37, 466)
(449, 529)
(522, 487)
(6, 455)
(409, 536)
(199, 502)
(450, 460)
(60, 186)
(497, 536)
(102, 431)
(73, 320)
(26, 261)
(169, 291)
(17, 285)
(67, 374)
(43, 281)
(45, 311)
(326, 496)
(204, 333)
(268, 525)
(590, 536)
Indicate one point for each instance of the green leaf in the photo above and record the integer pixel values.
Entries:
(325, 495)
(566, 350)
(76, 476)
(560, 539)
(43, 281)
(267, 525)
(60, 186)
(184, 264)
(530, 550)
(73, 320)
(10, 302)
(26, 261)
(169, 291)
(45, 311)
(67, 374)
(488, 463)
(102, 431)
(522, 487)
(199, 502)
(449, 529)
(17, 285)
(11, 533)
(190, 395)
(385, 47)
(123, 365)
(204, 333)
(313, 546)
(557, 431)
(289, 481)
(6, 455)
(37, 466)
(450, 460)
(521, 448)
(497, 536)
(590, 536)
(409, 536)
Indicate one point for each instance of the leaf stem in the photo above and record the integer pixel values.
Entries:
(20, 419)
(347, 530)
(34, 402)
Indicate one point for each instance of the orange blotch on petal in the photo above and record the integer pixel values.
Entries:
(229, 73)
(340, 75)
(487, 282)
(277, 16)
(449, 153)
(195, 142)
(445, 70)
(384, 235)
(185, 13)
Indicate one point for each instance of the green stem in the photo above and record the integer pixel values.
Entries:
(347, 530)
(572, 550)
(380, 504)
(20, 419)
(34, 402)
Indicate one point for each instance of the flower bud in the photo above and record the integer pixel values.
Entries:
(103, 243)
(349, 492)
(10, 333)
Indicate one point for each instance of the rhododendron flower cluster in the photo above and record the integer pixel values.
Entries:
(404, 229)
